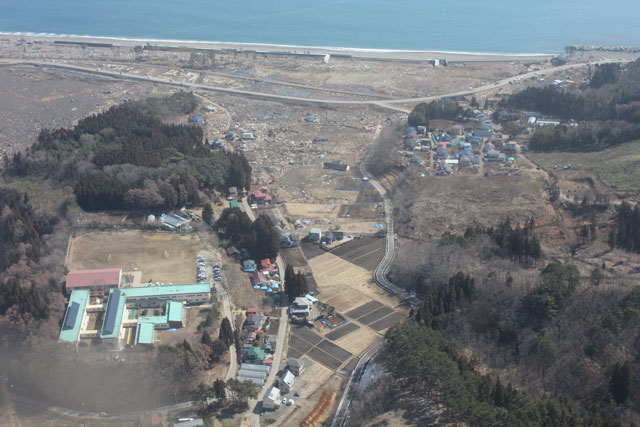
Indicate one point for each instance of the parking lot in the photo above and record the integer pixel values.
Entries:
(303, 341)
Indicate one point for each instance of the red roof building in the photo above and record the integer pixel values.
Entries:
(252, 311)
(95, 280)
(265, 265)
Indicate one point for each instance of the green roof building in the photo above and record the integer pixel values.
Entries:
(234, 204)
(144, 334)
(74, 315)
(255, 354)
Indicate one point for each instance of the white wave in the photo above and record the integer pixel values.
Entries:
(268, 45)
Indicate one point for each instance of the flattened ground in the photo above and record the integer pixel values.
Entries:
(333, 350)
(346, 300)
(342, 331)
(387, 322)
(356, 313)
(376, 315)
(333, 275)
(162, 257)
(358, 341)
(366, 252)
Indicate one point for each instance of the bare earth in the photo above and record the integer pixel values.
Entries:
(162, 257)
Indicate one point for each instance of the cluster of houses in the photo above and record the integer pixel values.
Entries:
(258, 345)
(264, 276)
(457, 149)
(274, 397)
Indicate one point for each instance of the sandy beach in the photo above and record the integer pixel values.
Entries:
(383, 54)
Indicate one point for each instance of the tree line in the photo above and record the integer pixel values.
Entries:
(626, 232)
(444, 299)
(439, 109)
(295, 284)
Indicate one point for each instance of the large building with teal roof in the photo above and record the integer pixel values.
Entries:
(121, 319)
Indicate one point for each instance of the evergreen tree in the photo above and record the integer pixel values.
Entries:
(226, 332)
(207, 213)
(621, 383)
(219, 389)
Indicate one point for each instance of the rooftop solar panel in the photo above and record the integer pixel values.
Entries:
(72, 315)
(112, 312)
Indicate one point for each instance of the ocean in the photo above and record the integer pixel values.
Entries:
(495, 26)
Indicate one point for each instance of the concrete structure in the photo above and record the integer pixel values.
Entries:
(295, 366)
(286, 382)
(336, 165)
(272, 399)
(98, 282)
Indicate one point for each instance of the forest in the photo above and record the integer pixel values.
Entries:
(128, 159)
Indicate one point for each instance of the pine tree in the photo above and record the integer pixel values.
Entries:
(219, 389)
(207, 213)
(621, 383)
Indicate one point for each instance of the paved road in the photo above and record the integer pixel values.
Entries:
(384, 103)
(277, 358)
(228, 312)
(380, 273)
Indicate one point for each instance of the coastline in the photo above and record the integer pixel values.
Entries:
(371, 53)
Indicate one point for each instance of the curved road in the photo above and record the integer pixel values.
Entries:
(384, 103)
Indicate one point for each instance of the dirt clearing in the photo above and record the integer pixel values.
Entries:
(162, 257)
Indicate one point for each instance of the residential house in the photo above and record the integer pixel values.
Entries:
(295, 366)
(253, 322)
(265, 265)
(301, 307)
(457, 130)
(272, 399)
(249, 265)
(258, 279)
(495, 156)
(286, 382)
(315, 235)
(254, 355)
(232, 252)
(260, 196)
(328, 238)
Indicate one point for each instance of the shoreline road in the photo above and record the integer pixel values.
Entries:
(382, 103)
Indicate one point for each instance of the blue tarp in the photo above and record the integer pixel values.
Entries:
(378, 226)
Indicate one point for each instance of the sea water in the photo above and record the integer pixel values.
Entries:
(499, 26)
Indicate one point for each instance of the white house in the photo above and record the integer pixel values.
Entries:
(272, 399)
(301, 307)
(286, 382)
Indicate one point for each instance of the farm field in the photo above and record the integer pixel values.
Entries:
(162, 257)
